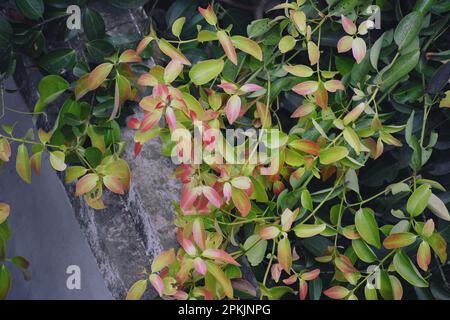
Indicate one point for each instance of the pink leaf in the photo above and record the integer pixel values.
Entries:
(212, 196)
(161, 91)
(233, 108)
(241, 201)
(198, 232)
(269, 233)
(243, 183)
(219, 255)
(334, 85)
(170, 118)
(200, 265)
(188, 246)
(150, 120)
(302, 289)
(114, 184)
(359, 49)
(227, 46)
(310, 275)
(157, 283)
(291, 280)
(250, 87)
(188, 197)
(344, 44)
(355, 113)
(275, 271)
(287, 218)
(285, 255)
(228, 87)
(86, 184)
(336, 292)
(208, 14)
(348, 25)
(303, 110)
(227, 192)
(305, 88)
(134, 123)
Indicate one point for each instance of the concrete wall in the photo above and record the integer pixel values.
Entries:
(45, 229)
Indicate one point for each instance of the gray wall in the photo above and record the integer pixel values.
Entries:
(45, 230)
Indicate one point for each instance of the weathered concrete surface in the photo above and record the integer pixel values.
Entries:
(126, 236)
(45, 229)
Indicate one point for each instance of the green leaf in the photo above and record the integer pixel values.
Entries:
(99, 49)
(404, 266)
(363, 251)
(32, 9)
(306, 200)
(275, 293)
(5, 282)
(385, 285)
(73, 173)
(308, 230)
(177, 26)
(404, 65)
(418, 201)
(57, 160)
(416, 158)
(287, 43)
(50, 88)
(259, 27)
(367, 226)
(375, 51)
(407, 29)
(205, 71)
(333, 154)
(259, 193)
(221, 278)
(23, 166)
(352, 139)
(137, 290)
(93, 24)
(58, 61)
(438, 207)
(255, 249)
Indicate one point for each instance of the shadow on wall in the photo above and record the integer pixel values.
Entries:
(44, 228)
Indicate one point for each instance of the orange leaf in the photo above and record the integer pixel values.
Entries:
(303, 289)
(241, 201)
(219, 255)
(99, 75)
(227, 46)
(306, 146)
(198, 232)
(129, 56)
(81, 87)
(86, 184)
(284, 254)
(336, 292)
(424, 256)
(321, 96)
(399, 240)
(164, 259)
(113, 184)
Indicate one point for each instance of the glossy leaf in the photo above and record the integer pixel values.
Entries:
(205, 71)
(418, 201)
(405, 267)
(23, 165)
(367, 226)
